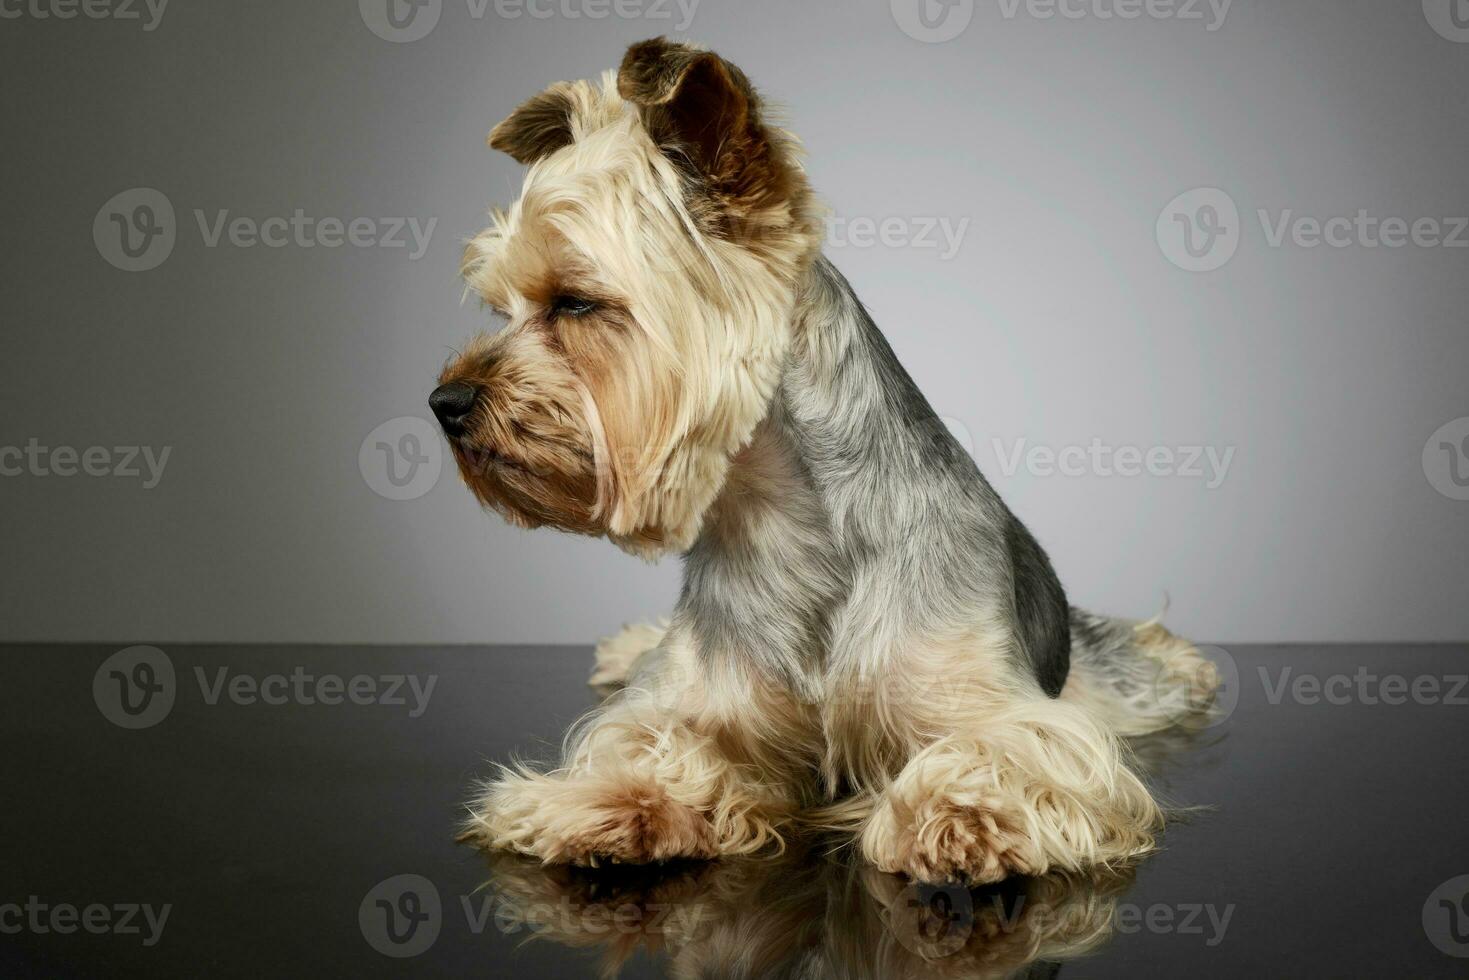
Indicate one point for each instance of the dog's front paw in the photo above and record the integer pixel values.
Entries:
(586, 820)
(1026, 799)
(940, 839)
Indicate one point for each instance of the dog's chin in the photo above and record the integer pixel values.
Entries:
(529, 495)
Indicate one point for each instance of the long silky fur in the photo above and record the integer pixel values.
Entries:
(865, 633)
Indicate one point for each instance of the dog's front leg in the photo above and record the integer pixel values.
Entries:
(649, 776)
(1033, 787)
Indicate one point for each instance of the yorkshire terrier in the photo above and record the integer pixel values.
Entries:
(867, 638)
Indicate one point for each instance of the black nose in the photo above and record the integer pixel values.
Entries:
(452, 404)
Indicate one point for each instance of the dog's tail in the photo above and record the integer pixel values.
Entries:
(625, 653)
(1137, 677)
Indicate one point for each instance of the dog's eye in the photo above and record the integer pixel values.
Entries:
(572, 306)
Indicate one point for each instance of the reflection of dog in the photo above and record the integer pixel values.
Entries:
(867, 636)
(806, 915)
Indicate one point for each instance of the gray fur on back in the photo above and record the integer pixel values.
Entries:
(884, 528)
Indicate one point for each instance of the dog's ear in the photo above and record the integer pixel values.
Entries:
(538, 128)
(703, 113)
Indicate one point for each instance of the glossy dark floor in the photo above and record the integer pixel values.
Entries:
(162, 817)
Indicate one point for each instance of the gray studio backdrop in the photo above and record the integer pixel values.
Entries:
(1054, 209)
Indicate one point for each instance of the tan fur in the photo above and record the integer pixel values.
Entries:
(667, 770)
(1187, 680)
(664, 203)
(617, 655)
(964, 773)
(655, 392)
(1038, 787)
(1176, 691)
(696, 764)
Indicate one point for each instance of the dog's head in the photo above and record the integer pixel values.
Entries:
(646, 277)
